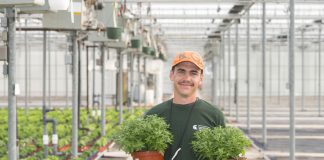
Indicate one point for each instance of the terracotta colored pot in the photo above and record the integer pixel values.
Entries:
(147, 155)
(64, 148)
(240, 158)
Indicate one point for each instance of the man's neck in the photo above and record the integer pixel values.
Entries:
(184, 100)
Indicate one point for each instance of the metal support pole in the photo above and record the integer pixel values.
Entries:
(319, 69)
(219, 77)
(264, 121)
(87, 77)
(79, 82)
(315, 76)
(74, 96)
(29, 74)
(45, 136)
(248, 122)
(139, 79)
(12, 113)
(279, 66)
(229, 71)
(156, 88)
(26, 71)
(270, 72)
(224, 76)
(49, 70)
(120, 86)
(4, 89)
(131, 82)
(66, 80)
(236, 73)
(303, 72)
(103, 111)
(214, 82)
(55, 71)
(145, 82)
(93, 77)
(292, 79)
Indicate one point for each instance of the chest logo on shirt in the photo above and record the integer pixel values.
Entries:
(198, 127)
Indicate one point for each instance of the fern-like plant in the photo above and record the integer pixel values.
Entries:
(220, 143)
(148, 133)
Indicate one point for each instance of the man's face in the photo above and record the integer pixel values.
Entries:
(187, 78)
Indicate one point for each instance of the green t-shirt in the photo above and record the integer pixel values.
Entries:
(202, 115)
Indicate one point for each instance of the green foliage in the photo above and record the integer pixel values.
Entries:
(101, 141)
(52, 158)
(220, 143)
(30, 131)
(143, 134)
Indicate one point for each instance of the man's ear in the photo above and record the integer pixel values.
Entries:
(171, 75)
(201, 79)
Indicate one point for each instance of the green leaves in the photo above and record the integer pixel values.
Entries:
(143, 134)
(30, 131)
(220, 143)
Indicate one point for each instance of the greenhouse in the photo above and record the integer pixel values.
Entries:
(161, 79)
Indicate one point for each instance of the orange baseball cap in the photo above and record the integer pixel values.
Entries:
(189, 56)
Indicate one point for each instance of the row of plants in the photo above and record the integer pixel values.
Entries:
(30, 132)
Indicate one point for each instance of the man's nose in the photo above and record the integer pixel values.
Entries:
(186, 76)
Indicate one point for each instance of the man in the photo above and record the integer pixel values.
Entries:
(186, 113)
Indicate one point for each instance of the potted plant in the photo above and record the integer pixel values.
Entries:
(220, 143)
(145, 137)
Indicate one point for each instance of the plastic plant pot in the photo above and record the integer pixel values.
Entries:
(161, 56)
(147, 155)
(135, 43)
(146, 50)
(152, 52)
(114, 32)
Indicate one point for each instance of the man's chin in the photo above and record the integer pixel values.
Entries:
(186, 94)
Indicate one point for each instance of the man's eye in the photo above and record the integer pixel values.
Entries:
(181, 71)
(194, 73)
